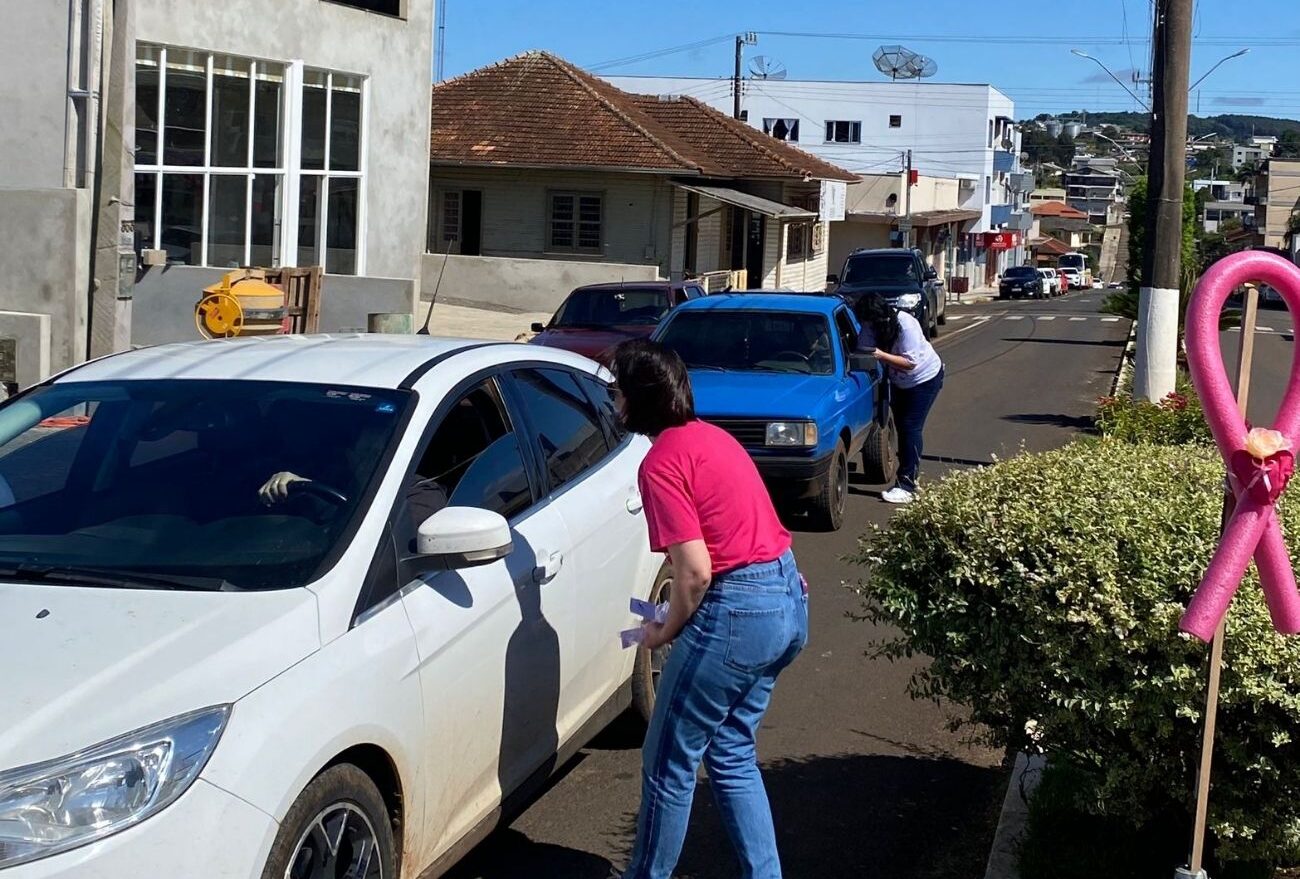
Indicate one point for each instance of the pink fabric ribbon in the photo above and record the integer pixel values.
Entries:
(1253, 528)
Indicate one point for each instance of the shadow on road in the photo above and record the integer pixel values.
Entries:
(862, 816)
(509, 854)
(1081, 423)
(1091, 343)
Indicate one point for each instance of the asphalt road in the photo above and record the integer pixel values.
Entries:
(1274, 344)
(864, 782)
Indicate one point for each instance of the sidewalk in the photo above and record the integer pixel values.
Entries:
(467, 322)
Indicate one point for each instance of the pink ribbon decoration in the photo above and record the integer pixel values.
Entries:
(1253, 529)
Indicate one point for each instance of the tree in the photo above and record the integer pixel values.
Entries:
(1065, 150)
(1125, 303)
(1288, 146)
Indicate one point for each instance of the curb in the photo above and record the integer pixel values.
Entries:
(1004, 854)
(1126, 360)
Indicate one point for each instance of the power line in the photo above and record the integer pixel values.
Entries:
(659, 53)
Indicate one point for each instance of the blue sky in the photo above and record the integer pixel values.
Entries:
(1023, 50)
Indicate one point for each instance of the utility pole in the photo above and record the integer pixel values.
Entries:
(907, 202)
(1158, 303)
(742, 40)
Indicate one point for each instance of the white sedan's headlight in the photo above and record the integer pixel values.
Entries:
(51, 807)
(792, 433)
(908, 300)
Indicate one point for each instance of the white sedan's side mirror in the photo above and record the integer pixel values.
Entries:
(465, 537)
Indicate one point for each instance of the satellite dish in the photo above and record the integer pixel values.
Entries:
(895, 61)
(923, 67)
(767, 67)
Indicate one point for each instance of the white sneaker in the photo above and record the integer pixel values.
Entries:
(898, 495)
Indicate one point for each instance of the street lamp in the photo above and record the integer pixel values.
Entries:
(1128, 155)
(1217, 65)
(1111, 74)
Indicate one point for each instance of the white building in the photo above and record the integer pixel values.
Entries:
(962, 132)
(1258, 151)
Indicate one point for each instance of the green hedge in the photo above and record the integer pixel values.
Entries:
(1175, 420)
(1048, 588)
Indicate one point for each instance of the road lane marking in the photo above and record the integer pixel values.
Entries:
(977, 322)
(1110, 320)
(1014, 317)
(1073, 319)
(1047, 317)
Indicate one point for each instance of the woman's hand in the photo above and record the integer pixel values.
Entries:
(656, 635)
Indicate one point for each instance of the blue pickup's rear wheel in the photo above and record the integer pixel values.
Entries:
(828, 506)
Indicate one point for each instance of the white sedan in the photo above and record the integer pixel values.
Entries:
(1051, 283)
(307, 606)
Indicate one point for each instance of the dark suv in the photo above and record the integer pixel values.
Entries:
(901, 277)
(1021, 282)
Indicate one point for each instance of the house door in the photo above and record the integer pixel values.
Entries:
(754, 241)
(736, 238)
(471, 227)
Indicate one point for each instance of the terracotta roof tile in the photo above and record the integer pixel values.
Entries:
(1057, 209)
(537, 110)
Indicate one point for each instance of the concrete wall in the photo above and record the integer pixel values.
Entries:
(851, 235)
(638, 212)
(520, 284)
(395, 54)
(45, 263)
(34, 100)
(31, 333)
(165, 299)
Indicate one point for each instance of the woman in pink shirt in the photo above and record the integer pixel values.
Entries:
(738, 615)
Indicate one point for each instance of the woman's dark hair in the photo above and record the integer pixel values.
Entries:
(655, 386)
(874, 312)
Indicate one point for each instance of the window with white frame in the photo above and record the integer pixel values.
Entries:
(842, 131)
(212, 170)
(329, 194)
(575, 222)
(782, 129)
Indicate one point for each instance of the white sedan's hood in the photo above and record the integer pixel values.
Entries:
(81, 665)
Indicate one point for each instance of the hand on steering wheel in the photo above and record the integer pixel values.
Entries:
(278, 488)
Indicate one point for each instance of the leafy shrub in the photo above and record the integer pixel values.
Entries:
(1048, 588)
(1175, 420)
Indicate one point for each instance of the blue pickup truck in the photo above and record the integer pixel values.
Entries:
(778, 372)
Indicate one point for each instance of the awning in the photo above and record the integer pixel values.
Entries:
(920, 219)
(735, 198)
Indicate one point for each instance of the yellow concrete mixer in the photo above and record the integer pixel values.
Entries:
(243, 303)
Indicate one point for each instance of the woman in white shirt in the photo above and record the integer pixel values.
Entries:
(916, 374)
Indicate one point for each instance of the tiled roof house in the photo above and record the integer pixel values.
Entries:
(551, 176)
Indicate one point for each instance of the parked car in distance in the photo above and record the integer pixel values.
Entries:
(901, 276)
(594, 319)
(1051, 282)
(1115, 285)
(1073, 276)
(1098, 284)
(1021, 282)
(778, 372)
(230, 670)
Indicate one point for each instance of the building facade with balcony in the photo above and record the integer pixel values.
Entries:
(1095, 190)
(1277, 204)
(955, 131)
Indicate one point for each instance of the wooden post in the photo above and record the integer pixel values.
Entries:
(1245, 356)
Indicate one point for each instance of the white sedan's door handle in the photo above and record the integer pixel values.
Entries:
(634, 503)
(548, 566)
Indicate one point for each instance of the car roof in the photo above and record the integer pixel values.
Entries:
(883, 251)
(803, 303)
(631, 285)
(378, 361)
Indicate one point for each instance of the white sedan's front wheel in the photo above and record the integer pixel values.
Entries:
(337, 829)
(649, 664)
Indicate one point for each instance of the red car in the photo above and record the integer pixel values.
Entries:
(594, 319)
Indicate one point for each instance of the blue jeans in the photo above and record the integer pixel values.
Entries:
(713, 693)
(911, 407)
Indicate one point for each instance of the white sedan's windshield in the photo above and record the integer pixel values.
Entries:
(190, 483)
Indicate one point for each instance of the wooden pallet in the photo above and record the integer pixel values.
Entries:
(302, 295)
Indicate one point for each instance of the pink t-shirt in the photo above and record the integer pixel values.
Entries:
(698, 483)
